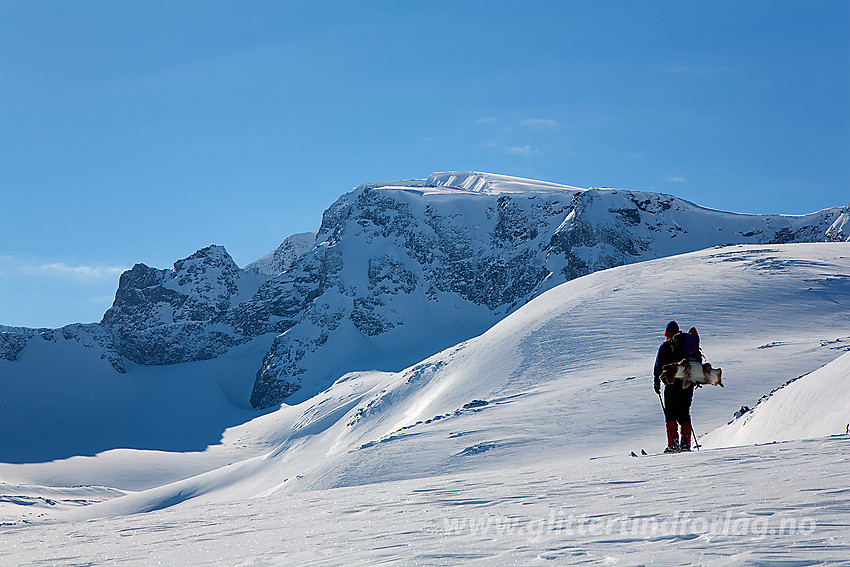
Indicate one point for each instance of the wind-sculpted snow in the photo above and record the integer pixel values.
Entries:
(565, 375)
(805, 407)
(398, 271)
(559, 389)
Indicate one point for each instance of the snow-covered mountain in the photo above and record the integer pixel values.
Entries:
(398, 271)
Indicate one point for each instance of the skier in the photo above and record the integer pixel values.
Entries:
(677, 399)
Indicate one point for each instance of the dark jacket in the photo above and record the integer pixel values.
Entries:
(668, 353)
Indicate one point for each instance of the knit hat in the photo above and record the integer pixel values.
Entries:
(672, 328)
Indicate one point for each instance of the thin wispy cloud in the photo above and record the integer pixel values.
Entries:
(513, 122)
(524, 151)
(676, 178)
(520, 136)
(9, 265)
(538, 123)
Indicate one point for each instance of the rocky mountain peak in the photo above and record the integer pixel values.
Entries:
(164, 316)
(211, 257)
(401, 270)
(282, 257)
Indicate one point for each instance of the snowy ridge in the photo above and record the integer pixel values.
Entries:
(399, 271)
(492, 183)
(177, 315)
(13, 340)
(281, 258)
(814, 405)
(840, 229)
(387, 251)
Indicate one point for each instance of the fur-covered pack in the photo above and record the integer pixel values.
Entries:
(691, 369)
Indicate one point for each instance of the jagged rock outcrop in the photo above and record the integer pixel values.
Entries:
(398, 271)
(609, 227)
(170, 316)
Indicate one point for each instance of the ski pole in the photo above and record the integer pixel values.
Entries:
(663, 410)
(694, 433)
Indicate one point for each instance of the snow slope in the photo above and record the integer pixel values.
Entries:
(409, 268)
(508, 448)
(525, 429)
(814, 405)
(281, 258)
(49, 415)
(566, 374)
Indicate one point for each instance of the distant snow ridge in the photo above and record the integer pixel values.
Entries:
(398, 271)
(490, 182)
(13, 340)
(840, 229)
(282, 257)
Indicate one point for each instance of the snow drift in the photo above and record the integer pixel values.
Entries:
(814, 405)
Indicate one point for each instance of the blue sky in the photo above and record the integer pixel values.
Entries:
(142, 131)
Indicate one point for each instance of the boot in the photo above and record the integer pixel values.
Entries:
(672, 437)
(686, 437)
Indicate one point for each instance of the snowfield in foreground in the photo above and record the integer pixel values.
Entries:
(769, 505)
(512, 447)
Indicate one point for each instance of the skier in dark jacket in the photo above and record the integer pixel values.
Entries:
(677, 400)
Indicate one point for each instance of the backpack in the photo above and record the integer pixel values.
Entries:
(687, 345)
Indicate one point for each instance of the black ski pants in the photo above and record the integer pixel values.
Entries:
(677, 402)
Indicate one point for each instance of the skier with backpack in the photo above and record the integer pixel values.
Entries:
(677, 346)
